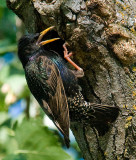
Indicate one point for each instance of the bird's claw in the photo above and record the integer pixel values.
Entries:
(67, 57)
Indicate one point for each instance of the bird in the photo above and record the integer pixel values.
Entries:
(56, 87)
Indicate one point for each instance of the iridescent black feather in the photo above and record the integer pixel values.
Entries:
(45, 83)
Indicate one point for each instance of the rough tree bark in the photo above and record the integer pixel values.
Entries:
(102, 35)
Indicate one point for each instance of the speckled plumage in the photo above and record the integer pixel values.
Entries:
(56, 88)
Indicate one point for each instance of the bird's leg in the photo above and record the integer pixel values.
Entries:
(67, 57)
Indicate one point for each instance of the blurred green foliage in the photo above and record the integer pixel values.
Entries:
(23, 137)
(7, 29)
(29, 141)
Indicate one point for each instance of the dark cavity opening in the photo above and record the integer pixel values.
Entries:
(57, 45)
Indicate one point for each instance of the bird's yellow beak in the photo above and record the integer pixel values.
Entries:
(41, 36)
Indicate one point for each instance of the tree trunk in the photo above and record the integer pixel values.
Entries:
(101, 33)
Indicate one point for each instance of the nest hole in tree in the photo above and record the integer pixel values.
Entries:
(57, 45)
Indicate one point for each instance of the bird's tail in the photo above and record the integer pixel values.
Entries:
(103, 113)
(101, 116)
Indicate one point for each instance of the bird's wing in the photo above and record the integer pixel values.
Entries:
(56, 105)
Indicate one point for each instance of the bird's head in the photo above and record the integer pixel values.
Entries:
(29, 44)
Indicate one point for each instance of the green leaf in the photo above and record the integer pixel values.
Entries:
(3, 117)
(2, 102)
(4, 73)
(11, 142)
(38, 143)
(15, 157)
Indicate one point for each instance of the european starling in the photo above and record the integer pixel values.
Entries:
(56, 87)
